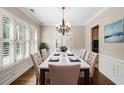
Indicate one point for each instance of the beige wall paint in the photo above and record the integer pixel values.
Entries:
(18, 13)
(78, 37)
(48, 34)
(115, 50)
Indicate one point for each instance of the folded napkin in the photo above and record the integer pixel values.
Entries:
(54, 59)
(74, 59)
(70, 54)
(56, 54)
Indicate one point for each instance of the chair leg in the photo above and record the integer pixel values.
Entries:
(37, 81)
(91, 80)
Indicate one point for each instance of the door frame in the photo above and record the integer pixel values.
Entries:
(91, 35)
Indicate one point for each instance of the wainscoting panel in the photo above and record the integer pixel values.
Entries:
(11, 73)
(112, 68)
(120, 73)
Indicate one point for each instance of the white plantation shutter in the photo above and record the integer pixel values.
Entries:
(27, 43)
(17, 39)
(6, 52)
(36, 40)
(6, 27)
(20, 36)
(17, 44)
(27, 49)
(32, 40)
(24, 40)
(6, 41)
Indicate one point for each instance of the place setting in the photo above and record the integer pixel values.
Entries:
(54, 59)
(74, 59)
(56, 54)
(70, 54)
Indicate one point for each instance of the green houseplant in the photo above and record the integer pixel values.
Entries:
(43, 45)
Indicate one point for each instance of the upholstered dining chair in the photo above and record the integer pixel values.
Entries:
(64, 75)
(82, 54)
(44, 54)
(86, 55)
(91, 60)
(37, 60)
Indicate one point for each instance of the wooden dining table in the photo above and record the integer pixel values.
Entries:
(64, 60)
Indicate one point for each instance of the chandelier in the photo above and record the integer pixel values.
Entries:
(63, 27)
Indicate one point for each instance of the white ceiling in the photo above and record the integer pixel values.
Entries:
(53, 15)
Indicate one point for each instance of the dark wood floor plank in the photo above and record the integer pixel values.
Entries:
(28, 78)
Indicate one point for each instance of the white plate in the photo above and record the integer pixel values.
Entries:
(70, 53)
(54, 58)
(57, 53)
(73, 58)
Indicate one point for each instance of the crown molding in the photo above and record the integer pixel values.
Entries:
(29, 14)
(55, 25)
(96, 15)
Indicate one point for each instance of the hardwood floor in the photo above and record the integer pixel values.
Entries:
(28, 78)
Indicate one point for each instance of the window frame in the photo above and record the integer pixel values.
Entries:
(12, 40)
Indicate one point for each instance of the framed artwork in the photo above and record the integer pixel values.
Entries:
(114, 32)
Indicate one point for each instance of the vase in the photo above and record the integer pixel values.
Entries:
(63, 54)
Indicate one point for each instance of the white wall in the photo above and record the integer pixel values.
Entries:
(111, 61)
(48, 34)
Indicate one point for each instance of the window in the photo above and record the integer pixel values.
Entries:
(18, 39)
(6, 42)
(36, 40)
(27, 43)
(65, 40)
(33, 40)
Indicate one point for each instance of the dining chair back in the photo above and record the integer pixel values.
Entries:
(44, 54)
(37, 60)
(64, 75)
(91, 60)
(82, 54)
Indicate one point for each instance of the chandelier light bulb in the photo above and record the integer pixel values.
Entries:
(69, 26)
(57, 25)
(67, 23)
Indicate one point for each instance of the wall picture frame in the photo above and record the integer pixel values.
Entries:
(114, 32)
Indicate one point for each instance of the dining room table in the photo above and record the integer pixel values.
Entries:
(69, 58)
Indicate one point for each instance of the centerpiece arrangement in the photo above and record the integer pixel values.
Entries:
(63, 50)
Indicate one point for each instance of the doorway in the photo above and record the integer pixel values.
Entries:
(95, 40)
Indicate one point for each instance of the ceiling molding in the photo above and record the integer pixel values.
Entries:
(55, 25)
(96, 15)
(29, 15)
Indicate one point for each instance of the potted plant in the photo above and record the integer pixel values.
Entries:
(43, 45)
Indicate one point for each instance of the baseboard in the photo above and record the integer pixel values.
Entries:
(11, 73)
(16, 76)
